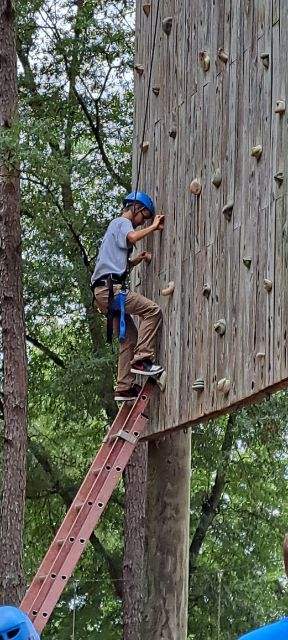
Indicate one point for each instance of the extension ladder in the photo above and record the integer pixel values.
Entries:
(86, 509)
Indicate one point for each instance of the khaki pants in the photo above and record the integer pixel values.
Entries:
(138, 344)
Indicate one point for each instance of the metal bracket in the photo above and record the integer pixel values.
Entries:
(129, 437)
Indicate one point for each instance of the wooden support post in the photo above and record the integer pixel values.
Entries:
(166, 607)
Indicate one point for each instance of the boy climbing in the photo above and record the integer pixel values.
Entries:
(137, 351)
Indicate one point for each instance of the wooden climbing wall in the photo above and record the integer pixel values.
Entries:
(217, 80)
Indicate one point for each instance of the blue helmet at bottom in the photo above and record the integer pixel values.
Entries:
(16, 624)
(274, 631)
(141, 198)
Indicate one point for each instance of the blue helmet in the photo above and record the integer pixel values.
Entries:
(274, 631)
(16, 624)
(141, 198)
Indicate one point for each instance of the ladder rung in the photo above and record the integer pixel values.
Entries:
(124, 435)
(58, 564)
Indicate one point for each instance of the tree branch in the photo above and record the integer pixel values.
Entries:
(96, 130)
(211, 504)
(48, 352)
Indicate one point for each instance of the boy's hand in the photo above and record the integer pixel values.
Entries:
(146, 256)
(158, 222)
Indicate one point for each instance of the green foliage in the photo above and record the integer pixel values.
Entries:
(240, 571)
(70, 191)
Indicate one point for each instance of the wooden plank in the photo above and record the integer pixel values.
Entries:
(218, 116)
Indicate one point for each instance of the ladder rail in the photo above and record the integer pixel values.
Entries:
(70, 515)
(85, 511)
(56, 586)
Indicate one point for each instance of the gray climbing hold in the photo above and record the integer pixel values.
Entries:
(256, 152)
(156, 90)
(222, 55)
(224, 385)
(247, 262)
(167, 25)
(220, 326)
(279, 177)
(139, 69)
(146, 9)
(268, 285)
(173, 133)
(204, 60)
(206, 290)
(280, 107)
(196, 187)
(265, 57)
(145, 146)
(227, 210)
(198, 385)
(217, 178)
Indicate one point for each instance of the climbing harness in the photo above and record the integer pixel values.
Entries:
(116, 304)
(116, 307)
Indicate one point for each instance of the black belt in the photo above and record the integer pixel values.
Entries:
(102, 282)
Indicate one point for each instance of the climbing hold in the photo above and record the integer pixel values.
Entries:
(268, 285)
(256, 152)
(204, 60)
(217, 178)
(173, 133)
(280, 107)
(167, 25)
(227, 387)
(169, 289)
(146, 9)
(156, 90)
(145, 146)
(227, 210)
(139, 69)
(247, 262)
(260, 355)
(196, 187)
(222, 55)
(279, 177)
(198, 385)
(224, 386)
(220, 326)
(265, 57)
(206, 290)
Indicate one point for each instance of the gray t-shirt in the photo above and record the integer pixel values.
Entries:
(114, 250)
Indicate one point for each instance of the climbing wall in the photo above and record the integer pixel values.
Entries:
(215, 160)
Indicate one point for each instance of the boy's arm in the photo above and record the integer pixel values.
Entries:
(157, 225)
(144, 255)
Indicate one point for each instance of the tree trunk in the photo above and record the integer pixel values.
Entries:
(135, 479)
(168, 505)
(13, 331)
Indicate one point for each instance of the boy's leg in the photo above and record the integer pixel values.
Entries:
(150, 320)
(126, 379)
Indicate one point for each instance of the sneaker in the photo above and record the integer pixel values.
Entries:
(128, 395)
(146, 368)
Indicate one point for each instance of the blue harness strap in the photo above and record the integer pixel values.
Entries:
(119, 304)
